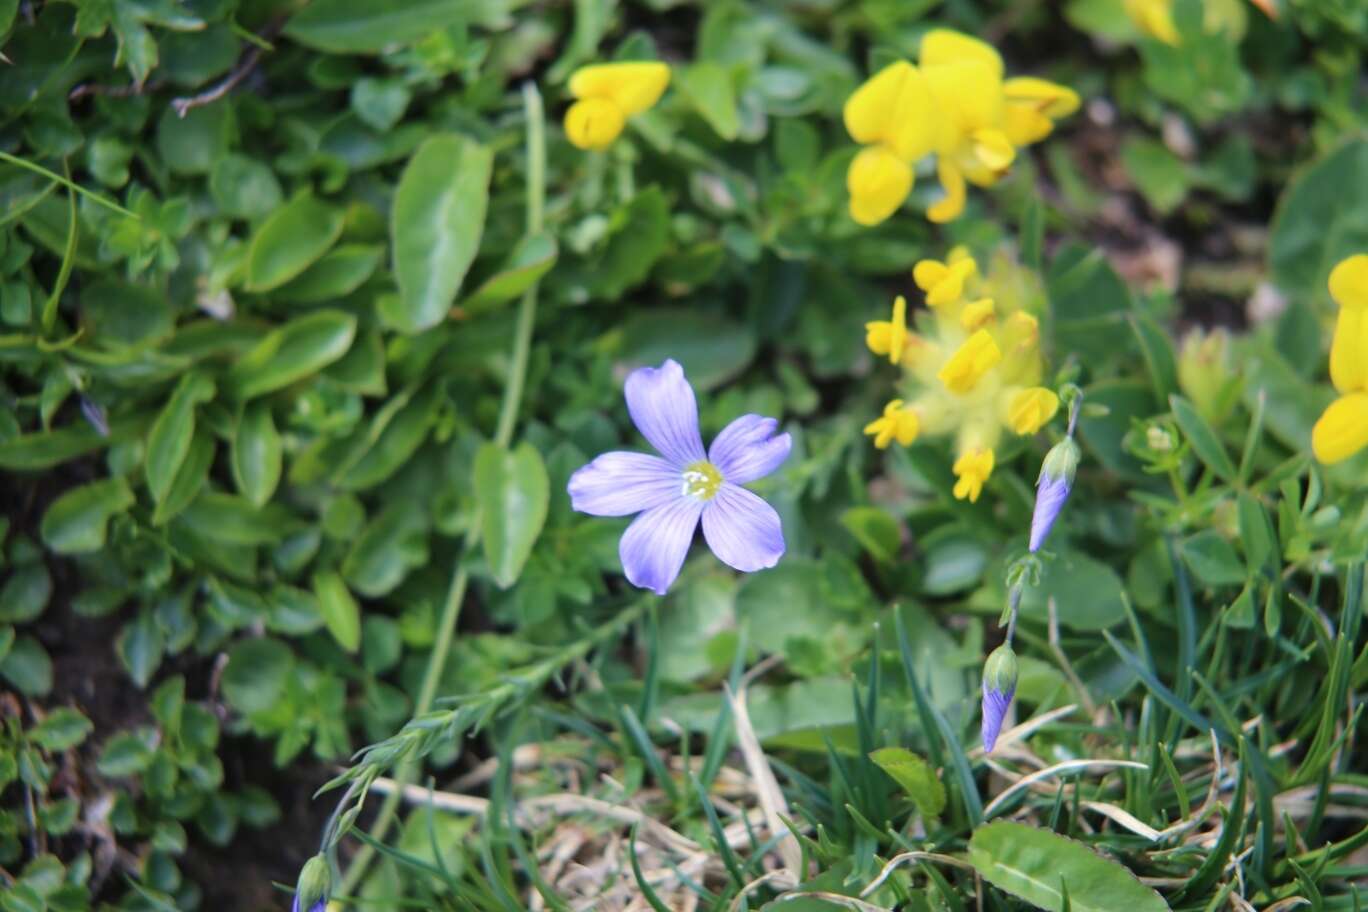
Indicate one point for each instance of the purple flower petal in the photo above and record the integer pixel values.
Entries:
(663, 408)
(653, 547)
(742, 530)
(747, 449)
(1050, 496)
(620, 484)
(995, 704)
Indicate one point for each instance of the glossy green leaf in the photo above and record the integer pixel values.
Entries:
(1205, 443)
(140, 646)
(712, 349)
(296, 350)
(291, 239)
(76, 522)
(917, 778)
(387, 550)
(1088, 594)
(530, 260)
(341, 614)
(25, 594)
(1321, 218)
(117, 313)
(28, 667)
(190, 479)
(63, 729)
(168, 442)
(875, 530)
(256, 673)
(1035, 865)
(708, 85)
(234, 520)
(435, 228)
(364, 27)
(244, 187)
(513, 491)
(340, 272)
(393, 437)
(256, 454)
(125, 754)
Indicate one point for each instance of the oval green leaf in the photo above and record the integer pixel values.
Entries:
(435, 228)
(168, 442)
(76, 522)
(290, 241)
(294, 351)
(530, 260)
(366, 27)
(1037, 865)
(338, 273)
(257, 455)
(341, 614)
(513, 492)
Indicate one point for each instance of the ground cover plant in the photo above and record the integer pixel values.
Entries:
(661, 454)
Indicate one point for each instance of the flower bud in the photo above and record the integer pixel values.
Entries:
(1052, 489)
(999, 685)
(311, 891)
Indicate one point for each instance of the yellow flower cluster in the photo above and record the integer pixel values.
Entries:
(954, 104)
(609, 93)
(1343, 428)
(972, 366)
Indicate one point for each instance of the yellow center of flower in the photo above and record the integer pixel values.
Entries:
(702, 480)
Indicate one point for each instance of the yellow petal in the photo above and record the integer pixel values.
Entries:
(893, 108)
(1349, 350)
(946, 46)
(1342, 430)
(593, 123)
(949, 208)
(1031, 409)
(976, 314)
(1349, 282)
(878, 182)
(972, 469)
(993, 150)
(929, 273)
(978, 355)
(1049, 98)
(633, 86)
(1154, 18)
(908, 426)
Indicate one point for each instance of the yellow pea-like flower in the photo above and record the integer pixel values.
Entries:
(890, 337)
(951, 206)
(1023, 330)
(978, 355)
(1154, 18)
(978, 313)
(1349, 347)
(1033, 105)
(1031, 409)
(943, 282)
(878, 182)
(609, 93)
(898, 422)
(1342, 430)
(972, 470)
(892, 109)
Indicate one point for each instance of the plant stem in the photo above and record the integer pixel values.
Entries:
(508, 413)
(66, 182)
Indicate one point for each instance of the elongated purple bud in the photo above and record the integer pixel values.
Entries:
(311, 892)
(999, 686)
(1052, 489)
(95, 414)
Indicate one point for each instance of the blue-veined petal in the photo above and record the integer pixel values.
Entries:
(655, 544)
(663, 408)
(620, 484)
(747, 449)
(742, 530)
(995, 704)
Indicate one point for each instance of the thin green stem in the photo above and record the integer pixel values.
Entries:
(508, 413)
(65, 182)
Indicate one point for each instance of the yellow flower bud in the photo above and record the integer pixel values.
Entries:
(593, 123)
(878, 182)
(978, 355)
(1349, 347)
(1342, 430)
(632, 86)
(976, 314)
(972, 470)
(1031, 409)
(897, 423)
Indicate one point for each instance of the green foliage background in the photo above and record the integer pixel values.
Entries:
(291, 254)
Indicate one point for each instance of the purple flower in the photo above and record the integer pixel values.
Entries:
(999, 686)
(674, 493)
(1052, 489)
(320, 906)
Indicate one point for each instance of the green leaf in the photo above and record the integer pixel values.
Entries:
(256, 455)
(190, 479)
(709, 87)
(513, 492)
(1160, 176)
(396, 433)
(1088, 594)
(63, 729)
(1089, 303)
(1205, 443)
(1035, 865)
(140, 646)
(530, 260)
(168, 442)
(255, 677)
(711, 348)
(119, 314)
(1257, 537)
(390, 546)
(28, 667)
(234, 520)
(125, 754)
(1321, 218)
(296, 350)
(25, 593)
(435, 228)
(336, 275)
(76, 522)
(1213, 559)
(243, 187)
(341, 614)
(290, 240)
(365, 27)
(875, 530)
(916, 777)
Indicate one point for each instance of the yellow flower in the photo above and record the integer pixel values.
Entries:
(972, 470)
(897, 423)
(1031, 409)
(1349, 347)
(890, 114)
(1033, 105)
(1342, 430)
(976, 314)
(609, 93)
(890, 337)
(978, 355)
(1154, 18)
(944, 282)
